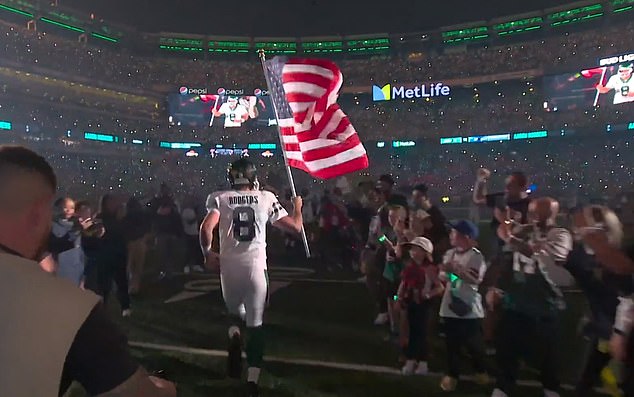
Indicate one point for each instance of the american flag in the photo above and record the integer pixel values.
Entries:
(317, 136)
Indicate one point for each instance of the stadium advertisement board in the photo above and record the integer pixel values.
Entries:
(200, 107)
(610, 83)
(390, 92)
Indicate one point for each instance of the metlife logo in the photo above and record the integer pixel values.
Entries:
(389, 92)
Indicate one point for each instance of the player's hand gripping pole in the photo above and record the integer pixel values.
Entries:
(289, 172)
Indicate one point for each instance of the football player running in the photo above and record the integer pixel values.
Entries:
(242, 214)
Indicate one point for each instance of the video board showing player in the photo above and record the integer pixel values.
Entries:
(228, 108)
(610, 84)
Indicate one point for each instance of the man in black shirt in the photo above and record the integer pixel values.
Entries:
(83, 345)
(511, 204)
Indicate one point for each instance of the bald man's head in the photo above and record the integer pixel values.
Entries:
(543, 210)
(25, 177)
(27, 187)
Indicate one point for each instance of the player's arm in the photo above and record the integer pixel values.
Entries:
(294, 222)
(206, 234)
(245, 115)
(207, 231)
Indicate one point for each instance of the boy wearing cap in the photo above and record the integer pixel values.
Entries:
(462, 269)
(419, 284)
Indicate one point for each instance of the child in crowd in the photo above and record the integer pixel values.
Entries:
(65, 241)
(462, 269)
(419, 284)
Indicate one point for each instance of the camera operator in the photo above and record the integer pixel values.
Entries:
(80, 342)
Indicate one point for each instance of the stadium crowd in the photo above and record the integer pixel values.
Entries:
(117, 197)
(32, 48)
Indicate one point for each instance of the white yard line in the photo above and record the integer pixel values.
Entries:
(377, 369)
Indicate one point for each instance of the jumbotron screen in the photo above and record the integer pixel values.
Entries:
(230, 108)
(609, 84)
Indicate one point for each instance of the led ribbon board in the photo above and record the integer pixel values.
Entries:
(518, 26)
(580, 14)
(465, 35)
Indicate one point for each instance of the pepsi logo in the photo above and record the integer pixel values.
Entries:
(257, 91)
(183, 90)
(221, 91)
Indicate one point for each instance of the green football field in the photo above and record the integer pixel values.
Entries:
(320, 340)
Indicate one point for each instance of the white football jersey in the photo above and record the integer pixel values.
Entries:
(621, 89)
(233, 117)
(242, 227)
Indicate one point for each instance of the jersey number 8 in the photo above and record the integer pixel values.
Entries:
(244, 224)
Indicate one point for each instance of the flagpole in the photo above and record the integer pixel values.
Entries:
(289, 172)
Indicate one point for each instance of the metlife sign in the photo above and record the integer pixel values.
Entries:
(390, 93)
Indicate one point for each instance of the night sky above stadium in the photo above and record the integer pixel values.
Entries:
(301, 17)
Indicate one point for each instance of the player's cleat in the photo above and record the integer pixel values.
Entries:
(448, 383)
(421, 368)
(482, 379)
(550, 393)
(381, 319)
(234, 357)
(252, 389)
(408, 368)
(126, 313)
(498, 393)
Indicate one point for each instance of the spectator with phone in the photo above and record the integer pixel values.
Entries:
(65, 241)
(531, 303)
(511, 204)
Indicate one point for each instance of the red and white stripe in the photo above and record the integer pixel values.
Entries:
(319, 139)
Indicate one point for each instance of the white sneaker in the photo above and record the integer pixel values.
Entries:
(126, 313)
(186, 270)
(381, 319)
(422, 368)
(498, 393)
(408, 368)
(550, 393)
(198, 269)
